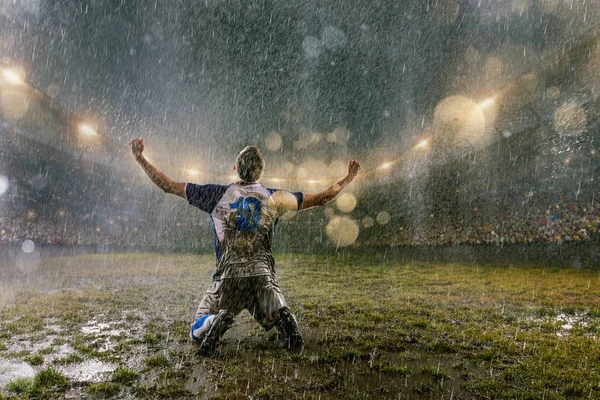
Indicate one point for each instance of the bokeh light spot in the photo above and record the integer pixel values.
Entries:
(570, 119)
(342, 231)
(553, 92)
(460, 122)
(28, 246)
(273, 141)
(383, 218)
(346, 202)
(368, 222)
(312, 47)
(285, 203)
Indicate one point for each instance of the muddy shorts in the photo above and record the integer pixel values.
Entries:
(260, 295)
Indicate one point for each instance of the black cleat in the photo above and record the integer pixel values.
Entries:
(221, 323)
(288, 326)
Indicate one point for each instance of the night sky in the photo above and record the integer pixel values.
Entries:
(213, 76)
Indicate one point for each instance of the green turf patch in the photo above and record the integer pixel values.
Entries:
(372, 330)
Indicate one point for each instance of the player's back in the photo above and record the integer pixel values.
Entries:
(244, 217)
(244, 222)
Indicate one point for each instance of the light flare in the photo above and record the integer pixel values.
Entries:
(13, 77)
(422, 144)
(87, 130)
(487, 103)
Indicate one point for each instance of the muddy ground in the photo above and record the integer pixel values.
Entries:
(116, 326)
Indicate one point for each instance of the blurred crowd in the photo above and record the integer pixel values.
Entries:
(569, 222)
(564, 223)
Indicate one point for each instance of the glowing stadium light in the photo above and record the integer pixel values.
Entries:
(13, 77)
(422, 144)
(276, 180)
(193, 172)
(487, 103)
(313, 181)
(385, 165)
(87, 130)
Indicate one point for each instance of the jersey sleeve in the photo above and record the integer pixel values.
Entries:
(299, 198)
(204, 197)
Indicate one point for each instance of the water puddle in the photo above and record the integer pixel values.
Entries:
(565, 323)
(11, 370)
(198, 382)
(89, 371)
(94, 327)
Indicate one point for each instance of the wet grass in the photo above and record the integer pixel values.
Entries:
(373, 329)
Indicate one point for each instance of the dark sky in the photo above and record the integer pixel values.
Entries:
(215, 75)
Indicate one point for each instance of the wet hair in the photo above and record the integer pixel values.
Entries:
(250, 164)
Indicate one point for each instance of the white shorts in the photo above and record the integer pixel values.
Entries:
(260, 295)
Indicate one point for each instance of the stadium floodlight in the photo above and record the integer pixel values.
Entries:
(87, 130)
(422, 144)
(12, 76)
(487, 103)
(313, 181)
(193, 172)
(385, 165)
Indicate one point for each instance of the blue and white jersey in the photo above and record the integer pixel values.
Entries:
(244, 217)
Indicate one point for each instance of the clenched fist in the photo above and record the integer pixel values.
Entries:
(137, 147)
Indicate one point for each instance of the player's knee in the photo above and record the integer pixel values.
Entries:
(201, 326)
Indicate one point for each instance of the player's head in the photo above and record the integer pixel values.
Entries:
(249, 164)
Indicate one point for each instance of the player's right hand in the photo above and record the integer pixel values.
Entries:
(353, 168)
(137, 147)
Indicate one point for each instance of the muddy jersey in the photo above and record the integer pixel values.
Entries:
(244, 217)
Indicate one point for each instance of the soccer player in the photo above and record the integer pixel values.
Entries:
(244, 215)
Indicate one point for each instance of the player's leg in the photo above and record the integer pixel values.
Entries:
(220, 324)
(229, 306)
(270, 309)
(206, 312)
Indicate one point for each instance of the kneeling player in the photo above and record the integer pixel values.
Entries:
(244, 215)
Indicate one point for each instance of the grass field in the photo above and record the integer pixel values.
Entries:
(116, 326)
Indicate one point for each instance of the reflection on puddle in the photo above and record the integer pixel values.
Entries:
(10, 370)
(565, 323)
(197, 383)
(88, 371)
(95, 327)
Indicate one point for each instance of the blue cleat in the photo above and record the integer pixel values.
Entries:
(201, 326)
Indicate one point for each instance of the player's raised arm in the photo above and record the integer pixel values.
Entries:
(157, 177)
(324, 197)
